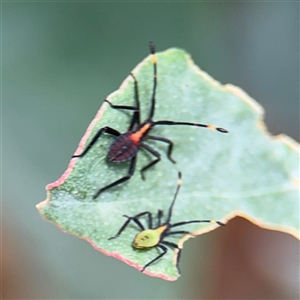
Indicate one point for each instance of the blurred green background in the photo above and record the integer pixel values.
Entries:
(59, 62)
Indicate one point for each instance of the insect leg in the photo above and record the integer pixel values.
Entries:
(197, 221)
(178, 253)
(136, 115)
(127, 177)
(165, 122)
(142, 214)
(162, 139)
(178, 232)
(128, 107)
(165, 250)
(136, 221)
(155, 153)
(96, 137)
(122, 228)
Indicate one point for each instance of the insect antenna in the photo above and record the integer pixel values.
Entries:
(175, 196)
(137, 102)
(154, 61)
(211, 127)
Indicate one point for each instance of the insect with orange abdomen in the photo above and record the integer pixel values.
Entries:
(126, 145)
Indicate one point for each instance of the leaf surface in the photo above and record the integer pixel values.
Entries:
(245, 172)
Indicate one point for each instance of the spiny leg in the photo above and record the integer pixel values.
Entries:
(155, 153)
(165, 250)
(96, 137)
(165, 122)
(125, 178)
(154, 61)
(165, 140)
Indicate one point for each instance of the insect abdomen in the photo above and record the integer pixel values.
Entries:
(123, 148)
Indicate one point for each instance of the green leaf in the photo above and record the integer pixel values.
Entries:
(245, 172)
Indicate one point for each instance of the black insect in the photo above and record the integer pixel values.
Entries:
(155, 236)
(126, 145)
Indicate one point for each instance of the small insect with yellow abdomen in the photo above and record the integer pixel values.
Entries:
(154, 236)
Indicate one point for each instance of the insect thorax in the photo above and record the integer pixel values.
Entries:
(126, 145)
